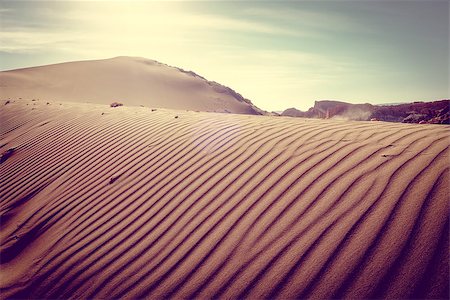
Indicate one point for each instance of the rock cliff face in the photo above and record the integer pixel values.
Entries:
(333, 109)
(436, 112)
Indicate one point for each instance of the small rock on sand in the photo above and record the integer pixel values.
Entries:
(113, 178)
(7, 154)
(116, 104)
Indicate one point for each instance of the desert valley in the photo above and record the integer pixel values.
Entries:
(185, 189)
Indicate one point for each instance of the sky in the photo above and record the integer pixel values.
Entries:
(278, 54)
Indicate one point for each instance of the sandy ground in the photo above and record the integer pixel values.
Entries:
(132, 81)
(100, 202)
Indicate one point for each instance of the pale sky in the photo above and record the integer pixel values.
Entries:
(277, 54)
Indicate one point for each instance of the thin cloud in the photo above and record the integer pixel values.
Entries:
(132, 26)
(160, 20)
(318, 21)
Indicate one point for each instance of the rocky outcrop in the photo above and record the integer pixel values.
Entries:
(293, 112)
(436, 112)
(333, 109)
(327, 109)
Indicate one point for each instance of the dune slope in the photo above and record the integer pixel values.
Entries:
(132, 81)
(100, 202)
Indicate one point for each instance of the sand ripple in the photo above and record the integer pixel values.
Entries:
(100, 202)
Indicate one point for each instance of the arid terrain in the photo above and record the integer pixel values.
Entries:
(435, 112)
(132, 81)
(143, 202)
(224, 150)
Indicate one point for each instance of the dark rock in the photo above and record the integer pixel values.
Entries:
(113, 179)
(415, 118)
(116, 104)
(7, 154)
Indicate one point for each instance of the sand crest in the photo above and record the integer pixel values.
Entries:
(132, 81)
(101, 202)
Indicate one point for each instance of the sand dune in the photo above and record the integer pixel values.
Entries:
(132, 81)
(100, 202)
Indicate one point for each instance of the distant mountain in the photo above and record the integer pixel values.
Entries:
(132, 81)
(436, 112)
(293, 112)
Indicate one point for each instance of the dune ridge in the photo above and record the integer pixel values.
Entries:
(100, 202)
(132, 81)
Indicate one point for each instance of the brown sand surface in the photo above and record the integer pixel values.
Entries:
(132, 81)
(100, 202)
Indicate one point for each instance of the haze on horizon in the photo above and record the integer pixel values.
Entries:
(279, 55)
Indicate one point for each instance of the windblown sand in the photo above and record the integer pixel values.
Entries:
(132, 81)
(100, 202)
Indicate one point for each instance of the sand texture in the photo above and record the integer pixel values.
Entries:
(126, 202)
(132, 81)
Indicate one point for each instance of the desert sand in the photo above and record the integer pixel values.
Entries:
(132, 81)
(130, 202)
